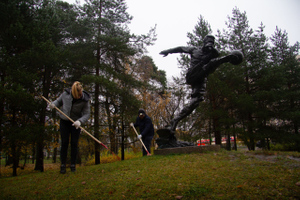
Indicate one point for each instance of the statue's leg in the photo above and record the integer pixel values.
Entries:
(215, 63)
(186, 110)
(199, 90)
(198, 73)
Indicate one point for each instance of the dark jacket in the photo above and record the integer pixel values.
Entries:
(75, 109)
(146, 127)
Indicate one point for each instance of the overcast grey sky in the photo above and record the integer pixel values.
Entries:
(175, 18)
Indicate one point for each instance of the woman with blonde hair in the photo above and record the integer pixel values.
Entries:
(74, 102)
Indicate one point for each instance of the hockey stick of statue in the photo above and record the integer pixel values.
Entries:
(80, 127)
(148, 154)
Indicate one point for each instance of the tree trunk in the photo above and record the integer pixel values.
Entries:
(97, 93)
(33, 153)
(209, 131)
(218, 138)
(251, 133)
(57, 136)
(216, 130)
(96, 113)
(39, 164)
(122, 141)
(228, 142)
(96, 122)
(1, 116)
(234, 136)
(54, 155)
(14, 158)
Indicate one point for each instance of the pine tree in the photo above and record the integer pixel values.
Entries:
(244, 99)
(286, 108)
(113, 48)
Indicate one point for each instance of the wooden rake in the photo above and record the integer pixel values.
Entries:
(81, 128)
(148, 154)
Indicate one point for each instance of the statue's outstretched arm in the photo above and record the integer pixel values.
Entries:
(177, 50)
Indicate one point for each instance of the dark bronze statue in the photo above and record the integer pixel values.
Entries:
(204, 61)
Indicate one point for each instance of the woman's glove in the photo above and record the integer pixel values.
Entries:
(51, 106)
(76, 124)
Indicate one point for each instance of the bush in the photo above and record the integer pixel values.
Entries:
(106, 157)
(284, 147)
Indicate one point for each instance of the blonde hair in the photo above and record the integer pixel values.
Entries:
(77, 90)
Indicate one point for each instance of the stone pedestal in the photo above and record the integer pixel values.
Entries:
(167, 139)
(188, 149)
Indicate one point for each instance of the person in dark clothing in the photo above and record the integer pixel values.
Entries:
(74, 102)
(144, 122)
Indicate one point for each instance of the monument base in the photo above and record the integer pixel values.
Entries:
(188, 149)
(167, 139)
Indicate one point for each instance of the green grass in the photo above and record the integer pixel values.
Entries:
(221, 175)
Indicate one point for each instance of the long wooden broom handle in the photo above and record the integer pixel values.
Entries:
(140, 139)
(73, 122)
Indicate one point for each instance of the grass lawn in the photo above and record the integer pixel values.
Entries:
(211, 175)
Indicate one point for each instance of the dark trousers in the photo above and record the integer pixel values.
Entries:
(66, 129)
(147, 143)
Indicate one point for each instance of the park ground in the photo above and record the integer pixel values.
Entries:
(212, 175)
